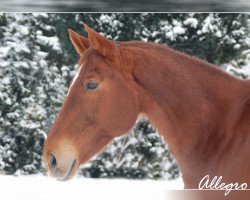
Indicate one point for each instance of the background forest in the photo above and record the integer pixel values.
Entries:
(37, 63)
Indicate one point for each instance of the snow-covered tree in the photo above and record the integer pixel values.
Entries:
(31, 89)
(140, 154)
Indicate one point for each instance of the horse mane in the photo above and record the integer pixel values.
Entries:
(127, 61)
(175, 57)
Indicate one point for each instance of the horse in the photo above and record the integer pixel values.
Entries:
(202, 112)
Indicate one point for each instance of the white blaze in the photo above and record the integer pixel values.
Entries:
(74, 80)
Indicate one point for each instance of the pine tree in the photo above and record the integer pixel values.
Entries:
(140, 154)
(32, 86)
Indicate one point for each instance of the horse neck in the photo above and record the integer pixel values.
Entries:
(191, 103)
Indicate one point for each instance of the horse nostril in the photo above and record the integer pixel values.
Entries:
(52, 161)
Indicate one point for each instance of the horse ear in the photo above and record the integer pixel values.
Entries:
(100, 43)
(80, 43)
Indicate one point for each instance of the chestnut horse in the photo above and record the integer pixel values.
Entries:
(202, 112)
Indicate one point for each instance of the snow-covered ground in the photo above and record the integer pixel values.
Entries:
(39, 187)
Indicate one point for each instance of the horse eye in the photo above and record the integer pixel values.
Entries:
(91, 85)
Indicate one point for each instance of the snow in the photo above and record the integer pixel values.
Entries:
(51, 41)
(241, 71)
(38, 187)
(208, 26)
(192, 22)
(4, 51)
(8, 101)
(237, 46)
(239, 32)
(177, 30)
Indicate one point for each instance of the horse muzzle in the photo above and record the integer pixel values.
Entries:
(61, 164)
